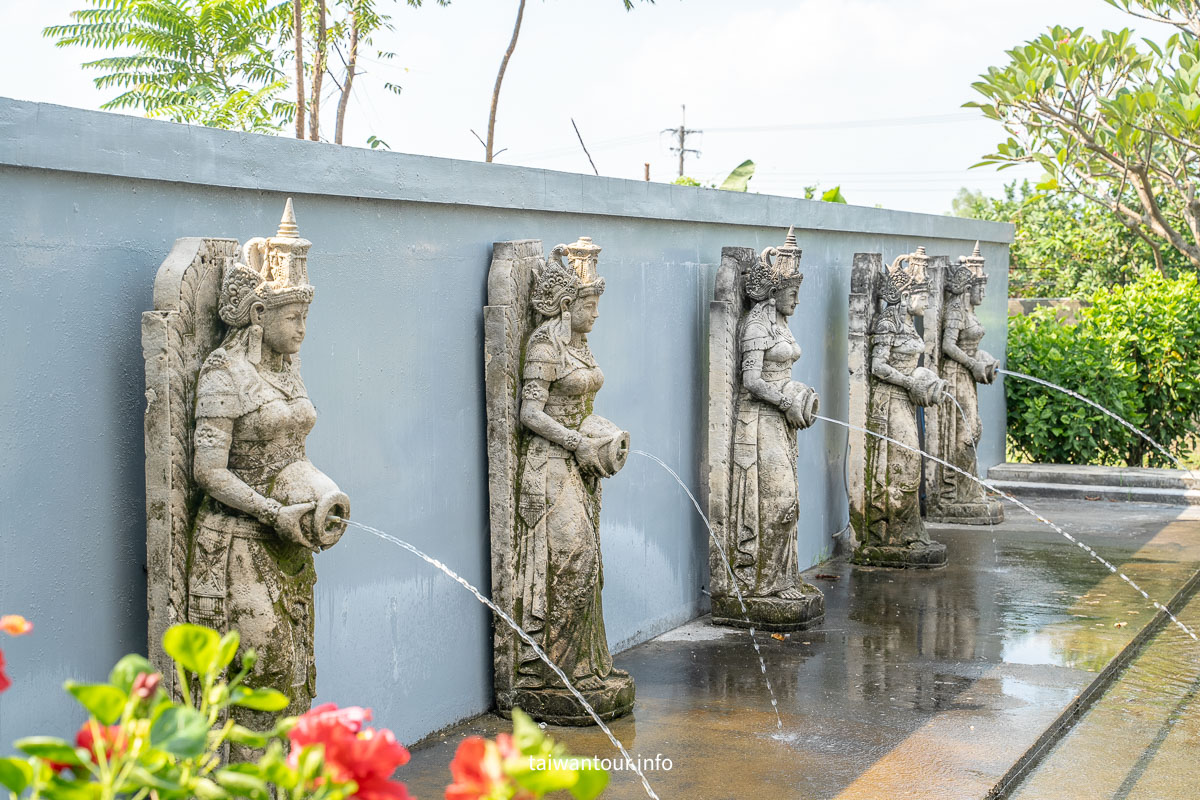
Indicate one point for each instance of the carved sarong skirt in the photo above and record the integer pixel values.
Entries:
(764, 499)
(244, 577)
(893, 472)
(559, 569)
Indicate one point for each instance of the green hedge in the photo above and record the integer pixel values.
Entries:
(1134, 351)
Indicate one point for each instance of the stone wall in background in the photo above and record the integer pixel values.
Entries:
(91, 205)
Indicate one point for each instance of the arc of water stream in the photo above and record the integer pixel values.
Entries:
(990, 487)
(1097, 406)
(520, 632)
(762, 664)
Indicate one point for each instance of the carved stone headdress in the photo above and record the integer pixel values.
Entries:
(766, 276)
(906, 275)
(272, 271)
(557, 281)
(967, 273)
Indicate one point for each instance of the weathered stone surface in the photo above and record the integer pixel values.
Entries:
(953, 434)
(547, 453)
(234, 508)
(885, 512)
(755, 409)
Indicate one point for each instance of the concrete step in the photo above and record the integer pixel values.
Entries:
(1087, 491)
(1082, 475)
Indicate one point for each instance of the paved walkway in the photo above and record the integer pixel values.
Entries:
(919, 684)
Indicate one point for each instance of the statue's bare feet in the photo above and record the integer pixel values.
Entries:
(792, 594)
(589, 684)
(618, 673)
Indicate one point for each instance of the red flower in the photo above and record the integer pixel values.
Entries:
(15, 624)
(478, 770)
(4, 681)
(111, 739)
(145, 684)
(353, 752)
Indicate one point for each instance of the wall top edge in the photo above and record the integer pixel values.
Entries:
(63, 139)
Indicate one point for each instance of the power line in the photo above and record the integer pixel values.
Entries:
(881, 122)
(682, 132)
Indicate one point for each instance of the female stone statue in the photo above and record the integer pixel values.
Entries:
(893, 534)
(956, 498)
(266, 509)
(567, 451)
(770, 408)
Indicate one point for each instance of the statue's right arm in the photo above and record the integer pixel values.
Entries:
(950, 348)
(882, 368)
(214, 435)
(752, 364)
(534, 417)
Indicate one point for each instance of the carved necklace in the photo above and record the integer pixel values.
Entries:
(582, 353)
(286, 381)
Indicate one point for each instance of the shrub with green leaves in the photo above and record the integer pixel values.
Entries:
(138, 741)
(1132, 352)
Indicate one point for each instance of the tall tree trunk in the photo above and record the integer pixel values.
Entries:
(344, 100)
(512, 45)
(298, 21)
(319, 58)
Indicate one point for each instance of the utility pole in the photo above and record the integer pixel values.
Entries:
(682, 132)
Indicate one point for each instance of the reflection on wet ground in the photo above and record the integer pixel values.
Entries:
(1141, 740)
(927, 684)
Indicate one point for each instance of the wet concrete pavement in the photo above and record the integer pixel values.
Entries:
(922, 684)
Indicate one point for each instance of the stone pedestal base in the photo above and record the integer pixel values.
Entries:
(989, 512)
(559, 707)
(771, 613)
(928, 556)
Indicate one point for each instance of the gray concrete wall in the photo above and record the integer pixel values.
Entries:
(90, 204)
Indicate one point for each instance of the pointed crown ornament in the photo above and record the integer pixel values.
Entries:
(901, 279)
(767, 277)
(556, 281)
(967, 273)
(273, 271)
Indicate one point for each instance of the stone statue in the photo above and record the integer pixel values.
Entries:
(235, 509)
(951, 497)
(547, 455)
(755, 410)
(886, 516)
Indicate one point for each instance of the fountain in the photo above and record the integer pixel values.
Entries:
(235, 511)
(547, 454)
(887, 385)
(954, 353)
(755, 410)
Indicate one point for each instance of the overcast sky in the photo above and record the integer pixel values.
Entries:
(862, 93)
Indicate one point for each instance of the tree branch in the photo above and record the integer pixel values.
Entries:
(512, 45)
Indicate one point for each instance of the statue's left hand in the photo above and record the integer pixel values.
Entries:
(981, 373)
(588, 455)
(287, 523)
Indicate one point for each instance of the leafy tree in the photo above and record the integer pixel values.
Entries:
(1111, 121)
(489, 145)
(1064, 246)
(340, 28)
(209, 62)
(739, 179)
(833, 195)
(221, 62)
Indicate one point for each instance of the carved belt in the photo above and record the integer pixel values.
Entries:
(235, 523)
(778, 374)
(557, 450)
